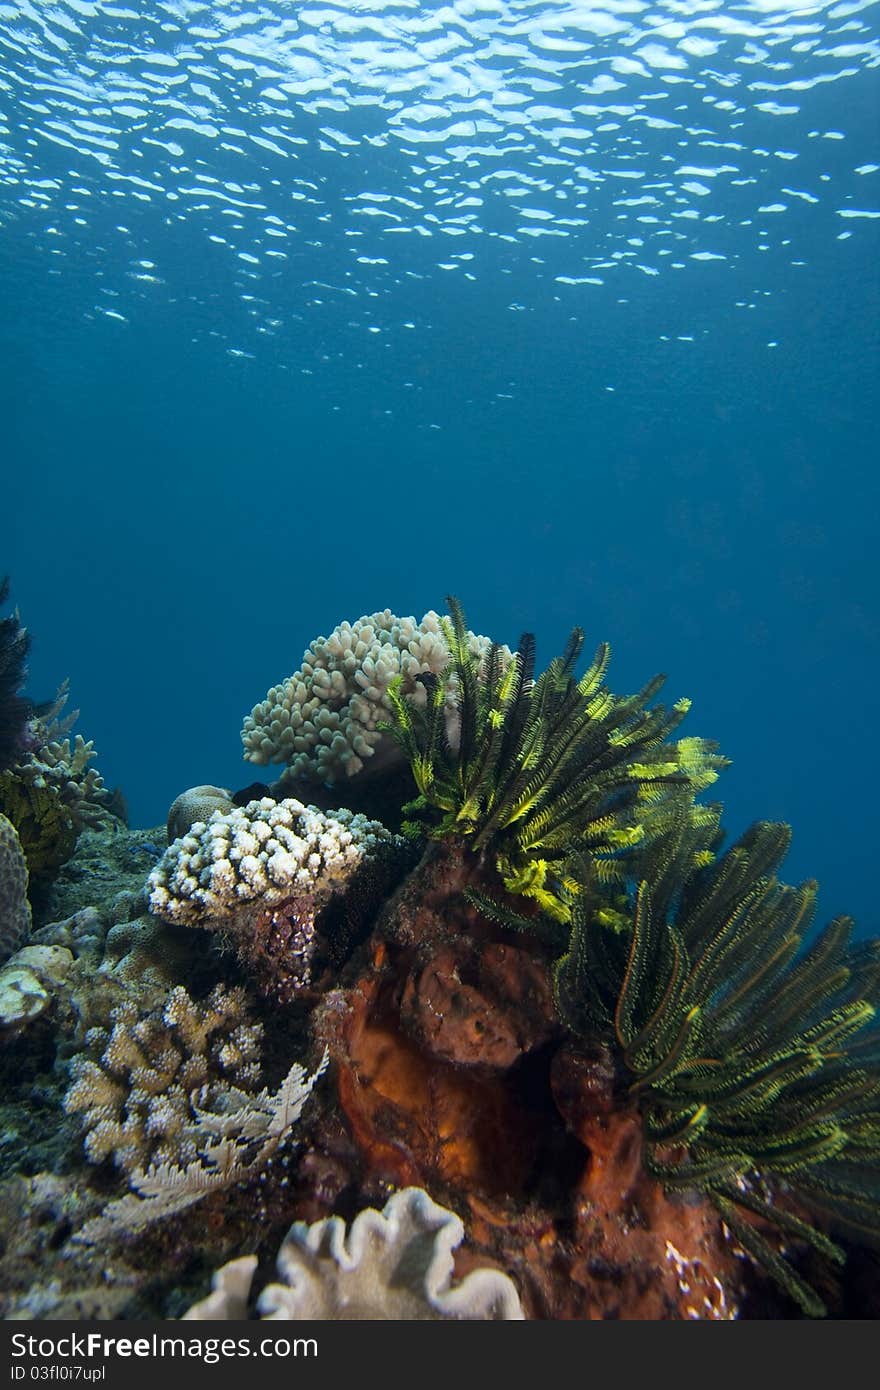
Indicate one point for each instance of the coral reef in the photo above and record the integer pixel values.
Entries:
(54, 761)
(234, 1147)
(766, 1120)
(395, 1264)
(15, 910)
(632, 1079)
(36, 1216)
(324, 720)
(121, 952)
(107, 871)
(50, 793)
(45, 825)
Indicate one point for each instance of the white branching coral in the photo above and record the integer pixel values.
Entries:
(395, 1264)
(266, 852)
(322, 721)
(142, 1101)
(15, 910)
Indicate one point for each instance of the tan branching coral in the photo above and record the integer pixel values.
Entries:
(140, 1101)
(395, 1264)
(322, 721)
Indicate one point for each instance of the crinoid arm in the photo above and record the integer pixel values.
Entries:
(544, 768)
(754, 1057)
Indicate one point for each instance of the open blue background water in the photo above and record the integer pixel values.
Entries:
(615, 363)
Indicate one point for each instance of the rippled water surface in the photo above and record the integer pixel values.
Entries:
(375, 142)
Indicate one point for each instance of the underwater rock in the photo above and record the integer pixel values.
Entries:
(479, 1005)
(51, 963)
(415, 1119)
(148, 957)
(396, 1264)
(36, 1280)
(82, 933)
(457, 1079)
(27, 983)
(23, 997)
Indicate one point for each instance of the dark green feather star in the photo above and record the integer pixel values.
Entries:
(755, 1060)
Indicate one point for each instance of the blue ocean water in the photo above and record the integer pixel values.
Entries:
(571, 310)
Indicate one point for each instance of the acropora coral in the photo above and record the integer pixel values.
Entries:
(135, 1087)
(173, 1101)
